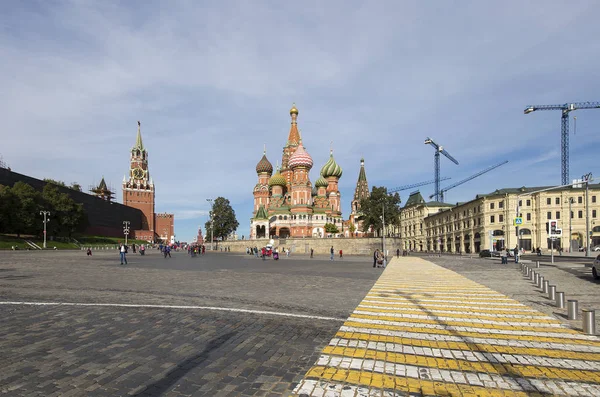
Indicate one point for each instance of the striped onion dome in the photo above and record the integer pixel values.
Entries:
(331, 168)
(277, 179)
(300, 158)
(264, 165)
(321, 182)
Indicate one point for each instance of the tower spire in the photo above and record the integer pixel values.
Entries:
(293, 137)
(138, 140)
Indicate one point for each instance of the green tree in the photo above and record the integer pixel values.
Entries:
(372, 209)
(331, 228)
(59, 183)
(75, 186)
(9, 206)
(26, 209)
(352, 229)
(67, 216)
(223, 219)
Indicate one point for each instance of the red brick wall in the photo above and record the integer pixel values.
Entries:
(144, 201)
(164, 221)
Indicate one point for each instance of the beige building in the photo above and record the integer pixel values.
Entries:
(487, 222)
(412, 221)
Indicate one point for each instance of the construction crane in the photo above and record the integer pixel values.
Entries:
(564, 129)
(436, 164)
(406, 187)
(444, 190)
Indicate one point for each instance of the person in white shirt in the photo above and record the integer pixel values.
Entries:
(123, 251)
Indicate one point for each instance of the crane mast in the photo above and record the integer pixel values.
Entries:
(436, 164)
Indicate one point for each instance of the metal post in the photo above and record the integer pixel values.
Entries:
(552, 292)
(383, 220)
(545, 286)
(540, 281)
(126, 230)
(552, 249)
(560, 300)
(588, 318)
(587, 177)
(532, 275)
(46, 220)
(572, 309)
(537, 279)
(537, 264)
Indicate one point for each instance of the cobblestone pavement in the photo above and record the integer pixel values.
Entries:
(218, 325)
(425, 330)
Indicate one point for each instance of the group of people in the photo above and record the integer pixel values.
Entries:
(194, 250)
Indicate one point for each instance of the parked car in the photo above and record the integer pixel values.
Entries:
(596, 248)
(485, 254)
(596, 268)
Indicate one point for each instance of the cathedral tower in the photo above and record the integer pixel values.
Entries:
(290, 147)
(264, 169)
(138, 188)
(332, 173)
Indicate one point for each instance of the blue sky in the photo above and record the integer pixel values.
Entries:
(212, 82)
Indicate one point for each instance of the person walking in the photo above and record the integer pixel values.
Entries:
(331, 252)
(398, 253)
(516, 252)
(123, 252)
(341, 255)
(504, 256)
(311, 252)
(375, 256)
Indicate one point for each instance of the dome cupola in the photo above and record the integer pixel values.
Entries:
(331, 168)
(277, 179)
(264, 165)
(300, 158)
(321, 182)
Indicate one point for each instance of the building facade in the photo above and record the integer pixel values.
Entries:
(487, 222)
(285, 203)
(412, 221)
(138, 192)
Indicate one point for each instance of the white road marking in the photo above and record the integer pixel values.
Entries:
(476, 340)
(224, 309)
(468, 312)
(319, 388)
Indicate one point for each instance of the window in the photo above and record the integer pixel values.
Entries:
(500, 218)
(548, 201)
(557, 214)
(580, 199)
(529, 216)
(501, 204)
(580, 214)
(571, 214)
(520, 203)
(549, 215)
(492, 219)
(593, 199)
(528, 202)
(557, 200)
(593, 213)
(491, 206)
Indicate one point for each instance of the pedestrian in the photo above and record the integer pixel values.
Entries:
(263, 253)
(398, 253)
(331, 252)
(516, 251)
(341, 255)
(133, 247)
(311, 252)
(375, 256)
(142, 250)
(287, 252)
(504, 256)
(123, 251)
(89, 252)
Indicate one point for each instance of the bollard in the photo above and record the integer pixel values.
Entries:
(537, 279)
(572, 309)
(532, 276)
(537, 264)
(540, 282)
(545, 286)
(560, 300)
(588, 318)
(552, 292)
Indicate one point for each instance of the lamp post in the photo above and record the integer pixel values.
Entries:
(212, 224)
(46, 220)
(126, 230)
(587, 179)
(570, 224)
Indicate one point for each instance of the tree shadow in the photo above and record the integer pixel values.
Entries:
(183, 367)
(525, 384)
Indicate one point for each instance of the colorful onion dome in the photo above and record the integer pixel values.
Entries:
(293, 110)
(277, 179)
(264, 165)
(331, 168)
(300, 158)
(321, 182)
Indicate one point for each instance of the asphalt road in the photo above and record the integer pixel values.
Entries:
(242, 326)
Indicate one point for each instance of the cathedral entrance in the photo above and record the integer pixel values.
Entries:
(284, 232)
(261, 231)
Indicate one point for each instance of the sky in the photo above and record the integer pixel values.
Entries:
(213, 82)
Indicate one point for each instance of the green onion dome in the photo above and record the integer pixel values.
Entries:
(264, 165)
(277, 179)
(331, 168)
(321, 182)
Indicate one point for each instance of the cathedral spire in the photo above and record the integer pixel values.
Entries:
(138, 140)
(294, 136)
(362, 186)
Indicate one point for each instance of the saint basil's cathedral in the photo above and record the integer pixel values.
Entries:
(286, 204)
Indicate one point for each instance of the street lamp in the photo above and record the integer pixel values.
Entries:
(212, 224)
(126, 230)
(587, 178)
(46, 220)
